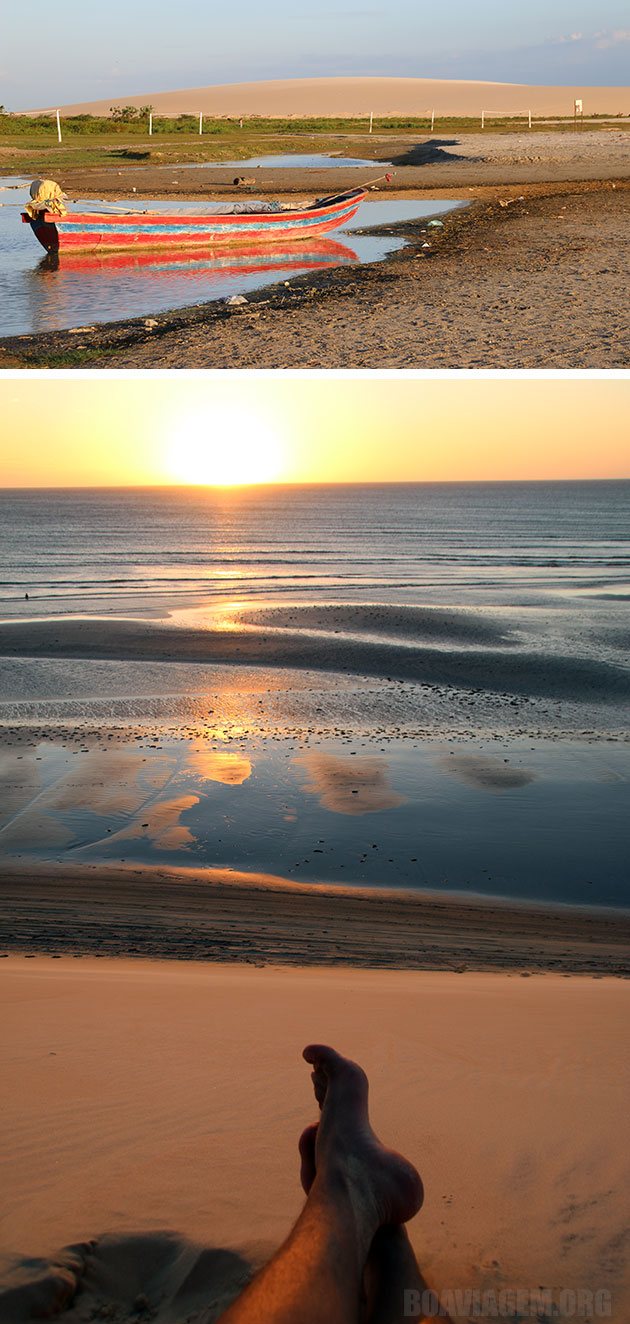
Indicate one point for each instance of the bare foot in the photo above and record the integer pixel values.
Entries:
(343, 1149)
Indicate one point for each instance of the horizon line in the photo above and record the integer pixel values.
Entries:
(348, 482)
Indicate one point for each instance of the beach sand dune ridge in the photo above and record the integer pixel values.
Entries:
(354, 97)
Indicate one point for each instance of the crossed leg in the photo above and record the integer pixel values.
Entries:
(391, 1268)
(356, 1189)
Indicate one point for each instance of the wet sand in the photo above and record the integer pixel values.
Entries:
(531, 284)
(443, 161)
(215, 915)
(502, 668)
(154, 1111)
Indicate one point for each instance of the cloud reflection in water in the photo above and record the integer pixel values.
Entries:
(349, 785)
(228, 769)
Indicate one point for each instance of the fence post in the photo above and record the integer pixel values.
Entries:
(58, 127)
(371, 119)
(150, 123)
(483, 119)
(201, 122)
(432, 120)
(530, 118)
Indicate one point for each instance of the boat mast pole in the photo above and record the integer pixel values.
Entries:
(371, 182)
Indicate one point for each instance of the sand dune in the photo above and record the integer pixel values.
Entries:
(330, 97)
(141, 1097)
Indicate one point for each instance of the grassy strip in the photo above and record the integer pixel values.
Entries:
(18, 126)
(28, 146)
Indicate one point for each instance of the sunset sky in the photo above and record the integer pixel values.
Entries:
(224, 428)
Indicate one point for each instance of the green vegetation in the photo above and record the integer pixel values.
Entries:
(135, 119)
(28, 144)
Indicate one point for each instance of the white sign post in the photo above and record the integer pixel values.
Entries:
(483, 119)
(200, 122)
(530, 119)
(432, 120)
(371, 119)
(150, 123)
(578, 110)
(58, 127)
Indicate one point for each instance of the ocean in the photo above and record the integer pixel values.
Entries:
(505, 544)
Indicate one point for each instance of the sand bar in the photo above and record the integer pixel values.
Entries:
(141, 1097)
(516, 672)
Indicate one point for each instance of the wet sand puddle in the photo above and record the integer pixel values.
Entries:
(293, 161)
(52, 293)
(545, 823)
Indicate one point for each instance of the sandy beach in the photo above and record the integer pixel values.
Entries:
(311, 762)
(154, 1111)
(223, 915)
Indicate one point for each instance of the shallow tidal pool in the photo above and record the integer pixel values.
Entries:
(545, 822)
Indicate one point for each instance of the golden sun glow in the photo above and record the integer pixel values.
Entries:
(222, 429)
(224, 448)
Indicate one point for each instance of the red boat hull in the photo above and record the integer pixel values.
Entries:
(99, 231)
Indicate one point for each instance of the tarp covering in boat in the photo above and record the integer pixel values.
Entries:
(249, 207)
(46, 195)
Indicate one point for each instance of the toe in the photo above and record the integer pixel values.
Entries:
(345, 1078)
(331, 1063)
(320, 1055)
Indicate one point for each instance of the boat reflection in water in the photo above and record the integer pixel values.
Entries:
(71, 288)
(245, 260)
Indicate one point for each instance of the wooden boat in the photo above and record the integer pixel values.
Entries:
(116, 230)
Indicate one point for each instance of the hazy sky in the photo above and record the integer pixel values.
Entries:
(227, 427)
(73, 51)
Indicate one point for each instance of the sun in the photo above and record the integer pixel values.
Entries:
(224, 447)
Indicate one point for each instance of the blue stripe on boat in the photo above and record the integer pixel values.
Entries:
(148, 227)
